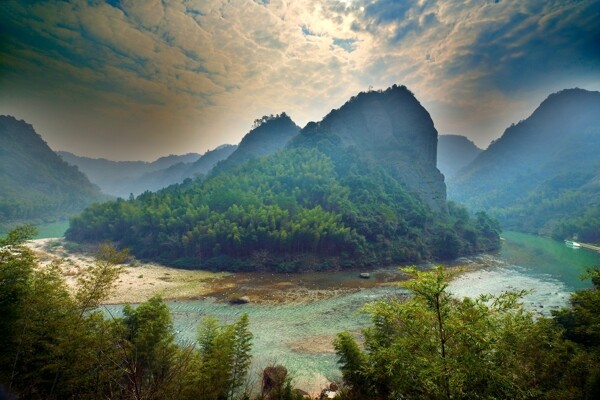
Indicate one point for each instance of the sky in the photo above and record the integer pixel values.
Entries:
(139, 79)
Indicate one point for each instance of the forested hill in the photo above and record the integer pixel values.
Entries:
(316, 204)
(121, 178)
(36, 185)
(542, 175)
(454, 153)
(269, 134)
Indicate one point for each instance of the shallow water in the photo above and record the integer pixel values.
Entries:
(299, 335)
(542, 257)
(47, 230)
(548, 269)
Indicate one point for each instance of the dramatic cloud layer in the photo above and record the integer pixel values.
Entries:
(139, 79)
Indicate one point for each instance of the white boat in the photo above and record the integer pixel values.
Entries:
(572, 244)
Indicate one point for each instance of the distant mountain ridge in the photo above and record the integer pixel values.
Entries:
(122, 178)
(36, 185)
(181, 171)
(454, 153)
(542, 174)
(561, 135)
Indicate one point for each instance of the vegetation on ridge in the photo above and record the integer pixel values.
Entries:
(302, 208)
(542, 175)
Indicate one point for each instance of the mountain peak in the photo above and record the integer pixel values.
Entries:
(268, 134)
(390, 128)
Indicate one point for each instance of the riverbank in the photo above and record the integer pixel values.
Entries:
(295, 317)
(137, 282)
(140, 280)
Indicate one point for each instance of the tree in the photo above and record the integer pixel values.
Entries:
(435, 346)
(54, 344)
(222, 360)
(581, 324)
(353, 364)
(241, 354)
(98, 281)
(16, 269)
(149, 350)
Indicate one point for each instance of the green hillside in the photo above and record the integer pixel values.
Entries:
(36, 185)
(543, 175)
(316, 204)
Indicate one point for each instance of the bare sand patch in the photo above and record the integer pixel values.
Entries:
(137, 282)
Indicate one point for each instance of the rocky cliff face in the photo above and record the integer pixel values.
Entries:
(391, 128)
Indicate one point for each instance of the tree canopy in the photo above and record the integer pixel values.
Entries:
(436, 346)
(291, 206)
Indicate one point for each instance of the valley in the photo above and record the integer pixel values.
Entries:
(299, 200)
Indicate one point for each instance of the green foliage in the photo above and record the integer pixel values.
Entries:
(434, 346)
(222, 362)
(52, 340)
(57, 344)
(353, 364)
(150, 353)
(16, 269)
(561, 207)
(582, 319)
(97, 283)
(299, 202)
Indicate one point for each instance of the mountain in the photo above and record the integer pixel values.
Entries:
(105, 172)
(117, 177)
(330, 199)
(177, 173)
(269, 134)
(122, 178)
(390, 128)
(36, 185)
(542, 174)
(455, 152)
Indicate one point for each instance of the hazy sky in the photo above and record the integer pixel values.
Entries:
(137, 79)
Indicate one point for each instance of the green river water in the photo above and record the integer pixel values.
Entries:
(298, 335)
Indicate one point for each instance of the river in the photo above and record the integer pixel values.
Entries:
(299, 335)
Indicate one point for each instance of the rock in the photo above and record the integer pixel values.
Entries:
(273, 380)
(240, 300)
(327, 394)
(365, 275)
(302, 394)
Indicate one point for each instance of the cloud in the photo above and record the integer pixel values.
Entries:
(198, 72)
